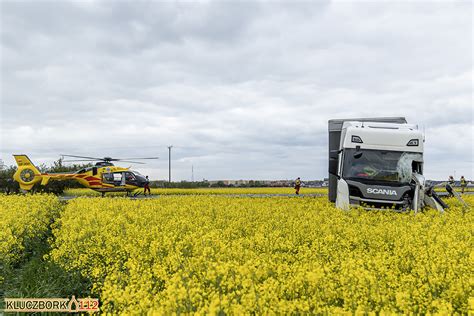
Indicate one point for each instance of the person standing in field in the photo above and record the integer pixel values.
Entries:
(146, 187)
(463, 184)
(451, 181)
(450, 186)
(297, 185)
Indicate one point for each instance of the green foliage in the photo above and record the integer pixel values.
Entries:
(7, 184)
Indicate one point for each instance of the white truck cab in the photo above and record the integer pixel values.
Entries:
(376, 163)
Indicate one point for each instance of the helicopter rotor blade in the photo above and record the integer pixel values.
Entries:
(106, 159)
(122, 159)
(141, 163)
(89, 160)
(83, 157)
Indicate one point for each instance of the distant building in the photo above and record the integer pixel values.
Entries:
(267, 183)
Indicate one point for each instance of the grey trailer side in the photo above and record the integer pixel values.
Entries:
(335, 129)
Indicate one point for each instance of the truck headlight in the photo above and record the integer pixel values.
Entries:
(413, 142)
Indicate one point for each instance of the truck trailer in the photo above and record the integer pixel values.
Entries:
(377, 163)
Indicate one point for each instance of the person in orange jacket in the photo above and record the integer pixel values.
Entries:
(146, 187)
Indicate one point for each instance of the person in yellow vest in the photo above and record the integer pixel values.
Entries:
(463, 184)
(297, 185)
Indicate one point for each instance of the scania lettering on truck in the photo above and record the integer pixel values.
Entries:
(377, 163)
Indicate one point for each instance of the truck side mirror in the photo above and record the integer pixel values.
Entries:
(357, 153)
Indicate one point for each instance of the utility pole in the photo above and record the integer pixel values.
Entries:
(192, 173)
(169, 161)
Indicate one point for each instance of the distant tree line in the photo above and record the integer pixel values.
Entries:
(204, 184)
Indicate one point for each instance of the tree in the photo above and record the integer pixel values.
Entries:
(7, 184)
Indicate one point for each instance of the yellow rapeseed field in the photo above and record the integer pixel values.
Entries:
(210, 254)
(23, 219)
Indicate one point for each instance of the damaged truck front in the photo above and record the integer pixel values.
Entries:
(377, 163)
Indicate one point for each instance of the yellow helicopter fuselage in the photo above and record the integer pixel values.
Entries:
(102, 178)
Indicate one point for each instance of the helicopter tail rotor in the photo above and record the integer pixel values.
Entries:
(26, 174)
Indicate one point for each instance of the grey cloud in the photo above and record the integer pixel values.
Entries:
(244, 90)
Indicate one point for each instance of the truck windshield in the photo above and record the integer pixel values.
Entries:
(378, 165)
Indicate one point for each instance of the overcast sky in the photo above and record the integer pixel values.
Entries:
(242, 90)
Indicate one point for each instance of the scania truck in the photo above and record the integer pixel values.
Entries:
(377, 163)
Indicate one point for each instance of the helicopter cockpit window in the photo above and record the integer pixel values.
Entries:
(130, 176)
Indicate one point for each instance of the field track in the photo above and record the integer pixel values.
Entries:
(156, 196)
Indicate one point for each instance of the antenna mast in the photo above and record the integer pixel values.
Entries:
(169, 162)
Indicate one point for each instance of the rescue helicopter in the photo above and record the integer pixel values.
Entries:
(103, 177)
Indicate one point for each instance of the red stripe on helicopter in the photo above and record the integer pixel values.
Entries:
(92, 179)
(95, 183)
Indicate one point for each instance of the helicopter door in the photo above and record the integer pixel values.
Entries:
(116, 178)
(119, 179)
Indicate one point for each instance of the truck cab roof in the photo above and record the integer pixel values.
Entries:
(382, 136)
